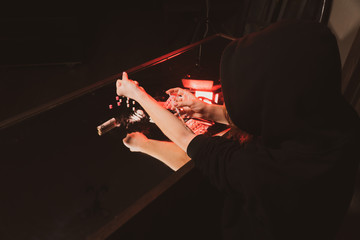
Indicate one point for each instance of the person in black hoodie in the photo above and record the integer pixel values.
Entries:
(295, 178)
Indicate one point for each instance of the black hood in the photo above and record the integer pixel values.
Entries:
(284, 84)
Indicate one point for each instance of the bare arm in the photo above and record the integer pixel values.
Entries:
(216, 113)
(170, 125)
(167, 152)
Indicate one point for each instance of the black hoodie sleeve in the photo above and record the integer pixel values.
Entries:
(228, 166)
(210, 155)
(258, 170)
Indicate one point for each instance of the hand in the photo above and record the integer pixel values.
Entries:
(135, 141)
(188, 104)
(128, 88)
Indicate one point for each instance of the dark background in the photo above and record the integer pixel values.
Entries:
(51, 49)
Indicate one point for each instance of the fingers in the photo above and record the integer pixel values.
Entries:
(183, 103)
(127, 87)
(118, 83)
(175, 91)
(135, 141)
(133, 136)
(184, 97)
(127, 139)
(184, 110)
(118, 87)
(125, 76)
(170, 91)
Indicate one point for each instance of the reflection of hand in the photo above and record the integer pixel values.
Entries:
(135, 141)
(188, 104)
(128, 88)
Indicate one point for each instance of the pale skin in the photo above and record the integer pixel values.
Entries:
(167, 152)
(173, 154)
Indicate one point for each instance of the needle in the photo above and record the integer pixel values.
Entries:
(178, 112)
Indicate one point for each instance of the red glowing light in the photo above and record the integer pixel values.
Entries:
(110, 106)
(207, 101)
(204, 94)
(198, 84)
(216, 99)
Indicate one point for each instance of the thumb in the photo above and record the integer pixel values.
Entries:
(125, 76)
(126, 140)
(118, 83)
(175, 91)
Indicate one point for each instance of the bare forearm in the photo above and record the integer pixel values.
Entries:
(170, 125)
(167, 152)
(216, 113)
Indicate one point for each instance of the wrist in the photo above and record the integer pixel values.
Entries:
(215, 113)
(145, 145)
(139, 94)
(206, 112)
